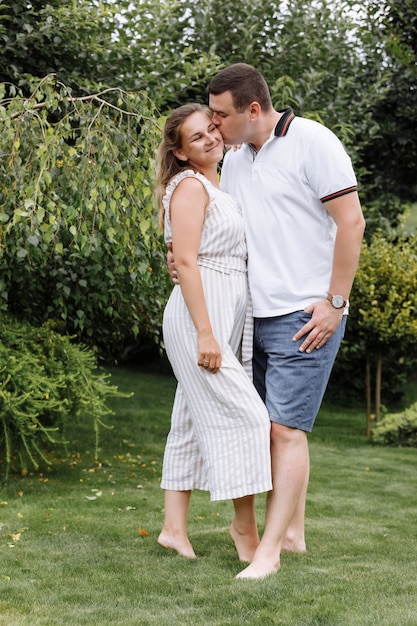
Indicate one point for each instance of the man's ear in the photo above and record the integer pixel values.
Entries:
(254, 110)
(179, 154)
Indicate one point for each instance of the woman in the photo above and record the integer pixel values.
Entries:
(220, 429)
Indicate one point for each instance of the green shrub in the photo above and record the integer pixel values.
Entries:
(397, 429)
(46, 382)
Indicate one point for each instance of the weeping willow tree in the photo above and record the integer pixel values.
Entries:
(79, 241)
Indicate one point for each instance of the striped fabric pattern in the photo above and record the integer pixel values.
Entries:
(220, 431)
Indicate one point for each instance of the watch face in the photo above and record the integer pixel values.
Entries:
(337, 302)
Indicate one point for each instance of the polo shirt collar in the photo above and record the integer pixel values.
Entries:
(280, 130)
(284, 122)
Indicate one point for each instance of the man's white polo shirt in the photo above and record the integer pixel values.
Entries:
(281, 190)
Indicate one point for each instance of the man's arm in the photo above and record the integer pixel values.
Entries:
(347, 214)
(171, 265)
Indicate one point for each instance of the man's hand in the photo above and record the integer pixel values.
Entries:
(325, 320)
(171, 266)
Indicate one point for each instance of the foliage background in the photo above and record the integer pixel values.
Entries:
(78, 241)
(86, 85)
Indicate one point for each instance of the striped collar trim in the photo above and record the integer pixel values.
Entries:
(284, 122)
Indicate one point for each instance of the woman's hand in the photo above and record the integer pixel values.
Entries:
(209, 353)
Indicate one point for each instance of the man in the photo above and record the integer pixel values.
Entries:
(304, 227)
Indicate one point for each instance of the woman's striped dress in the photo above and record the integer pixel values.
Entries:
(220, 431)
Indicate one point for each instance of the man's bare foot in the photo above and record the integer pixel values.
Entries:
(245, 542)
(183, 546)
(258, 570)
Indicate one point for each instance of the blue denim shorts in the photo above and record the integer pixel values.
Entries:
(290, 382)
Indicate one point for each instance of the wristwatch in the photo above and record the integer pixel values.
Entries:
(338, 302)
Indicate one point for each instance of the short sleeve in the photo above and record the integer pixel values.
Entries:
(173, 184)
(328, 165)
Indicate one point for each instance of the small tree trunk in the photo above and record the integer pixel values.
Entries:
(378, 379)
(368, 397)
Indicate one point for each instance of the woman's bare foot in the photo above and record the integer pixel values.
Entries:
(258, 570)
(245, 542)
(182, 546)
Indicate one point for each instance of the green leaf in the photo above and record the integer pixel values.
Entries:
(21, 253)
(33, 240)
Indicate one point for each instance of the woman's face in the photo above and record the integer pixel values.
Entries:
(201, 142)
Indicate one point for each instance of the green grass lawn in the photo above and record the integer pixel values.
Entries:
(78, 543)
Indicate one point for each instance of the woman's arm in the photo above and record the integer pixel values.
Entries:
(187, 209)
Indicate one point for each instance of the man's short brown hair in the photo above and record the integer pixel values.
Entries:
(245, 83)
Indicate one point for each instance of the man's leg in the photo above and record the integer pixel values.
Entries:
(292, 385)
(290, 461)
(295, 538)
